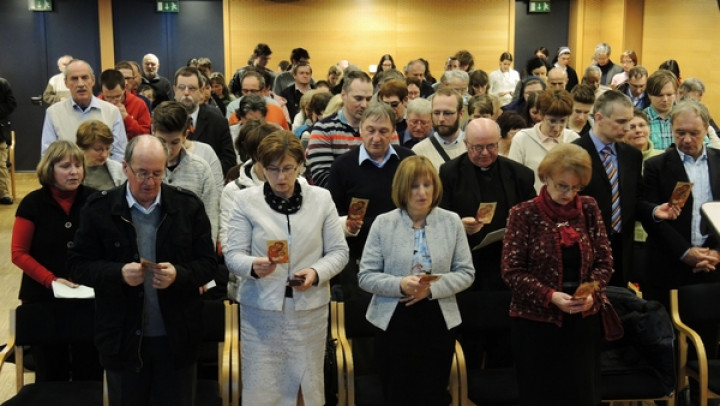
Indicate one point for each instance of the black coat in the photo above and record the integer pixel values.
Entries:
(106, 241)
(54, 233)
(213, 129)
(668, 240)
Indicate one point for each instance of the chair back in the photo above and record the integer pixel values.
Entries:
(66, 321)
(699, 304)
(484, 311)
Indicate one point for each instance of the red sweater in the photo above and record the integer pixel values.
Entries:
(137, 121)
(532, 258)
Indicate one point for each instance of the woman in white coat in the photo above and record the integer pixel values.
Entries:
(286, 241)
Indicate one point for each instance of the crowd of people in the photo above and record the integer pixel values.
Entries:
(280, 192)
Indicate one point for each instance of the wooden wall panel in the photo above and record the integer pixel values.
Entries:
(687, 31)
(362, 31)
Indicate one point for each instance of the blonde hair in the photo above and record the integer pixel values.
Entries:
(92, 131)
(566, 158)
(56, 152)
(409, 170)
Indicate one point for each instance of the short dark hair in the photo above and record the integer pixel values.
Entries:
(299, 53)
(393, 87)
(262, 50)
(604, 103)
(187, 71)
(446, 91)
(510, 120)
(251, 72)
(637, 72)
(251, 102)
(583, 93)
(112, 78)
(169, 116)
(352, 76)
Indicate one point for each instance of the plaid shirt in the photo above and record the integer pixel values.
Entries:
(660, 130)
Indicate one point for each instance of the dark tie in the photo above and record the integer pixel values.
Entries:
(612, 174)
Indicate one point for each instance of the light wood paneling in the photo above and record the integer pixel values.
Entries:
(634, 28)
(362, 31)
(687, 31)
(107, 37)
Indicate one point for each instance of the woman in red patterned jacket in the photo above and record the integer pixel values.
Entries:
(553, 244)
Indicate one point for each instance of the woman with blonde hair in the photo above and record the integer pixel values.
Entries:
(416, 259)
(95, 140)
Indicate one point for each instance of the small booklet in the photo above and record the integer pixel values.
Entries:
(357, 209)
(490, 238)
(277, 251)
(585, 289)
(680, 194)
(62, 291)
(429, 277)
(485, 212)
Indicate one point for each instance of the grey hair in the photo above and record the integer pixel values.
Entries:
(419, 106)
(602, 48)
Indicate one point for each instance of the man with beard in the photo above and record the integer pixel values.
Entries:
(207, 124)
(62, 119)
(446, 142)
(151, 77)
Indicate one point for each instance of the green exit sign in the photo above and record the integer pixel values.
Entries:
(40, 5)
(539, 7)
(168, 6)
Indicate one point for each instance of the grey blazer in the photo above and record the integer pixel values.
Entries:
(388, 255)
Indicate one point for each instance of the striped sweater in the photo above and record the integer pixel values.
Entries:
(329, 138)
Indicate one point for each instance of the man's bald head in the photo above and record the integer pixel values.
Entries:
(482, 136)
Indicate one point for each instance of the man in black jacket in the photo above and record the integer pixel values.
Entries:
(145, 248)
(478, 176)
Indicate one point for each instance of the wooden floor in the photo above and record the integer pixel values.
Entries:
(10, 277)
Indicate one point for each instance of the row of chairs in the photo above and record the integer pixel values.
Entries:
(71, 322)
(486, 312)
(692, 307)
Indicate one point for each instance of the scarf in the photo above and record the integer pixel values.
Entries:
(561, 215)
(281, 205)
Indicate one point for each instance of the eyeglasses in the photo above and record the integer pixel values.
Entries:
(249, 91)
(418, 122)
(563, 188)
(191, 88)
(275, 171)
(393, 104)
(143, 175)
(439, 113)
(480, 148)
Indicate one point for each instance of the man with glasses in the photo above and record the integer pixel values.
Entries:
(394, 93)
(634, 87)
(259, 60)
(419, 121)
(207, 124)
(446, 142)
(62, 119)
(480, 175)
(252, 83)
(151, 77)
(145, 248)
(339, 133)
(134, 112)
(365, 172)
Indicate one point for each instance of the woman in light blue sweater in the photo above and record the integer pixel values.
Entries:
(415, 260)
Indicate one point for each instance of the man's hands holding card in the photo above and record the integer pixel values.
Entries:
(164, 273)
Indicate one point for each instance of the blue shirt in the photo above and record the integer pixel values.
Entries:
(364, 156)
(698, 174)
(134, 203)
